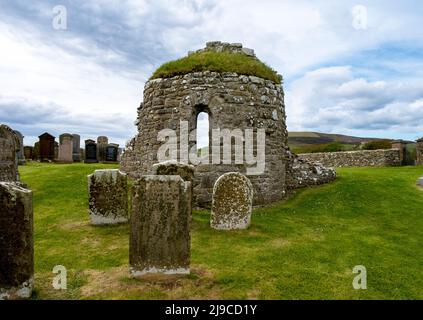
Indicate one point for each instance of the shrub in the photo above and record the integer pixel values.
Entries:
(315, 148)
(217, 62)
(377, 144)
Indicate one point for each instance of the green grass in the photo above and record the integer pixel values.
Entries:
(304, 248)
(217, 62)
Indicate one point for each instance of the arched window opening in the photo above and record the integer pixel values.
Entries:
(203, 126)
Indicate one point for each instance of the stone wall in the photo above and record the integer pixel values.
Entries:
(362, 158)
(304, 173)
(232, 101)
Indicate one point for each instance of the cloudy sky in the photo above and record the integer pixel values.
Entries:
(351, 67)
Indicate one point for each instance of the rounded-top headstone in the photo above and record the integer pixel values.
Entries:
(232, 202)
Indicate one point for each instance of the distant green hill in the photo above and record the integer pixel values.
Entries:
(304, 141)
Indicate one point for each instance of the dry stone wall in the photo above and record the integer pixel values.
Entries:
(362, 158)
(304, 173)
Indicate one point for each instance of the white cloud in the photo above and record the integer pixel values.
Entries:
(335, 100)
(94, 72)
(46, 75)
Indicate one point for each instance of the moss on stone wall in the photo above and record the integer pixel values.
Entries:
(217, 62)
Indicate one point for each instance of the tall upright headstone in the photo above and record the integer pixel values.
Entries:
(102, 142)
(36, 151)
(16, 241)
(419, 151)
(160, 220)
(47, 147)
(8, 154)
(20, 152)
(90, 151)
(76, 152)
(112, 150)
(108, 197)
(65, 148)
(28, 152)
(232, 202)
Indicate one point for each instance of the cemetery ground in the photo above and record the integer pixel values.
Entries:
(303, 248)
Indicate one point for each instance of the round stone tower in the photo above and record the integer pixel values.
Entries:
(235, 100)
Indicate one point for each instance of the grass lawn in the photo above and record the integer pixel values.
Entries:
(304, 248)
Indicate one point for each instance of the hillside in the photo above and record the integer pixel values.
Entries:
(301, 141)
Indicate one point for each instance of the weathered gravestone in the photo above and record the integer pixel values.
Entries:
(20, 151)
(111, 154)
(172, 167)
(419, 152)
(102, 142)
(108, 197)
(36, 151)
(16, 241)
(47, 147)
(420, 182)
(65, 148)
(76, 152)
(232, 202)
(8, 155)
(160, 219)
(90, 151)
(29, 152)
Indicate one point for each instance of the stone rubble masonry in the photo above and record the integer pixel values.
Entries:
(16, 241)
(302, 173)
(65, 148)
(9, 145)
(232, 202)
(232, 101)
(362, 158)
(419, 151)
(160, 225)
(108, 197)
(218, 46)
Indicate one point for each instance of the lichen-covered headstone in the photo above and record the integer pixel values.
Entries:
(232, 202)
(172, 167)
(8, 154)
(108, 197)
(160, 219)
(16, 241)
